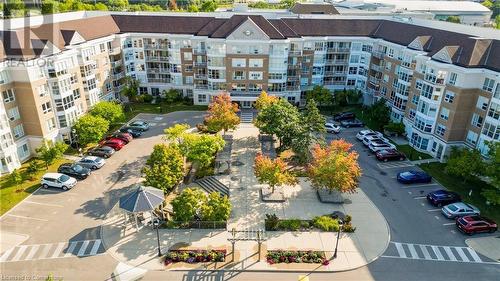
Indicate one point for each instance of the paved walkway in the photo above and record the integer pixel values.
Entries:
(355, 249)
(486, 246)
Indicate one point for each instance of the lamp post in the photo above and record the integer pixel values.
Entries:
(341, 223)
(75, 137)
(156, 225)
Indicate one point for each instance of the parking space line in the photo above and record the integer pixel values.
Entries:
(44, 204)
(474, 255)
(420, 185)
(400, 249)
(436, 217)
(434, 210)
(419, 197)
(23, 217)
(450, 223)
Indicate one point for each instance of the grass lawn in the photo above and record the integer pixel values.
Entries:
(136, 108)
(411, 153)
(437, 171)
(11, 194)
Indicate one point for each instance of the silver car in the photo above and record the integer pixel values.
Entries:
(91, 162)
(459, 209)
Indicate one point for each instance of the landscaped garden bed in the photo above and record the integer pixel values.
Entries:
(322, 223)
(283, 256)
(195, 256)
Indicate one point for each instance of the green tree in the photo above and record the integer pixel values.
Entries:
(264, 100)
(281, 119)
(90, 129)
(488, 4)
(171, 96)
(49, 151)
(454, 19)
(201, 149)
(100, 7)
(187, 204)
(335, 168)
(208, 6)
(108, 110)
(497, 22)
(15, 177)
(222, 114)
(321, 95)
(13, 9)
(310, 130)
(287, 4)
(273, 172)
(464, 163)
(217, 208)
(165, 167)
(176, 133)
(379, 113)
(193, 8)
(492, 170)
(131, 88)
(32, 169)
(50, 7)
(312, 119)
(118, 5)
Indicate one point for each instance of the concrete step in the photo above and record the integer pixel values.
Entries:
(211, 184)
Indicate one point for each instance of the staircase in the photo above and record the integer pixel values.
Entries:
(246, 117)
(211, 184)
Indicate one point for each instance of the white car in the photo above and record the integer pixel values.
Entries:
(380, 145)
(332, 128)
(58, 180)
(369, 138)
(361, 134)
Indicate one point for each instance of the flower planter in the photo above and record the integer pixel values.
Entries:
(283, 256)
(195, 256)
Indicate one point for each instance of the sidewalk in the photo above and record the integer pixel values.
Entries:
(486, 246)
(355, 249)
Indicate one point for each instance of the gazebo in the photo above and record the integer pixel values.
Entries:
(142, 199)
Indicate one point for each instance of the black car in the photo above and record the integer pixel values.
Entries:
(344, 116)
(351, 123)
(101, 151)
(74, 170)
(443, 197)
(134, 132)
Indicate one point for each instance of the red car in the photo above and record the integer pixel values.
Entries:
(114, 143)
(389, 154)
(475, 224)
(125, 137)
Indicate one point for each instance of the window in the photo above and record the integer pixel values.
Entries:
(415, 99)
(18, 131)
(491, 131)
(453, 78)
(477, 120)
(494, 111)
(239, 63)
(471, 137)
(42, 90)
(202, 98)
(488, 84)
(388, 65)
(445, 113)
(449, 96)
(354, 59)
(390, 53)
(411, 114)
(419, 85)
(188, 56)
(440, 130)
(255, 62)
(239, 75)
(62, 121)
(189, 80)
(46, 107)
(8, 95)
(23, 151)
(51, 124)
(255, 75)
(386, 78)
(13, 114)
(482, 103)
(353, 70)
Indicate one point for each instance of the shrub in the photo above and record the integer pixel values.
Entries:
(204, 172)
(147, 98)
(325, 223)
(291, 224)
(195, 256)
(281, 256)
(348, 228)
(271, 222)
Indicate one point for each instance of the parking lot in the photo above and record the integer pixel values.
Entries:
(418, 229)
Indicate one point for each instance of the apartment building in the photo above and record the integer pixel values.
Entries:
(441, 81)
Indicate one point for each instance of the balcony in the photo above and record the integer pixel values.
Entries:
(239, 77)
(375, 67)
(200, 76)
(155, 46)
(295, 53)
(245, 94)
(199, 51)
(148, 58)
(200, 64)
(200, 87)
(338, 50)
(378, 54)
(115, 51)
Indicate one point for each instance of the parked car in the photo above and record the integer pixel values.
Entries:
(132, 131)
(389, 154)
(139, 125)
(125, 137)
(375, 146)
(351, 123)
(413, 177)
(475, 224)
(344, 116)
(459, 209)
(114, 143)
(442, 197)
(373, 137)
(361, 134)
(58, 180)
(101, 151)
(74, 170)
(91, 162)
(332, 128)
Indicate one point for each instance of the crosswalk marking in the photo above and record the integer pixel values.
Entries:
(53, 251)
(394, 165)
(434, 253)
